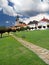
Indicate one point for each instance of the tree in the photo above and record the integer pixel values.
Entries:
(28, 28)
(47, 26)
(8, 30)
(13, 30)
(36, 23)
(2, 30)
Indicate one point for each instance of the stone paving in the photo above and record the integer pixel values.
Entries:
(41, 52)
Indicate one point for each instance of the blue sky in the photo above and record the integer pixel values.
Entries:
(9, 9)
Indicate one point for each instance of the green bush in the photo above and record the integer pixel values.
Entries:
(23, 36)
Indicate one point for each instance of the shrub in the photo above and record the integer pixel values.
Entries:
(23, 36)
(8, 30)
(2, 30)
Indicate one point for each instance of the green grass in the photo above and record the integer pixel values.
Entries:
(13, 53)
(38, 37)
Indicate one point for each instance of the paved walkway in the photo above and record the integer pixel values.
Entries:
(41, 52)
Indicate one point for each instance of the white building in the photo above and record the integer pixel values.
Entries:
(43, 23)
(33, 24)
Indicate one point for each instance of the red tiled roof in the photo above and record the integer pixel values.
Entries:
(22, 25)
(45, 20)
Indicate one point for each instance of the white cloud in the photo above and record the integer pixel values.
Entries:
(16, 2)
(38, 17)
(9, 11)
(0, 8)
(3, 3)
(43, 7)
(27, 5)
(23, 6)
(30, 5)
(6, 8)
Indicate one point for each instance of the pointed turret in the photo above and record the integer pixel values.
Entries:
(17, 20)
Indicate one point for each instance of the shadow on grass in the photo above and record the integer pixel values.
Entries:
(4, 37)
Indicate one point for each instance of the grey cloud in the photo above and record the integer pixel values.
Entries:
(24, 7)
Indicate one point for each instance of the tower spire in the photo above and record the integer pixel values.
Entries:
(17, 20)
(41, 0)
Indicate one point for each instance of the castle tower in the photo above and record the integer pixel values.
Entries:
(41, 0)
(17, 20)
(45, 1)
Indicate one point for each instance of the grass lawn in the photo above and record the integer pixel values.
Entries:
(13, 53)
(38, 37)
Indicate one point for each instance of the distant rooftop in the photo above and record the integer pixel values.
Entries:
(45, 20)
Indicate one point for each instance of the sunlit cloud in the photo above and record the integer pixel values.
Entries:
(37, 18)
(43, 7)
(22, 7)
(7, 22)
